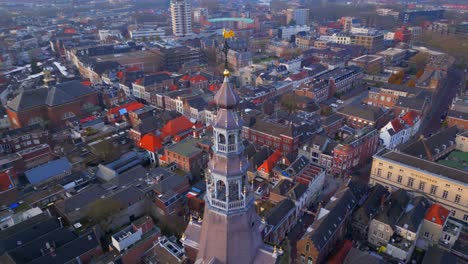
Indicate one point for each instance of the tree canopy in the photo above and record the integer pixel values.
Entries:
(102, 211)
(288, 101)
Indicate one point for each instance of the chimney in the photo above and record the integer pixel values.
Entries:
(382, 201)
(426, 148)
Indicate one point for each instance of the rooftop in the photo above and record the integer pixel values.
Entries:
(186, 147)
(425, 165)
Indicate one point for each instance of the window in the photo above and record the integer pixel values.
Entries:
(445, 194)
(389, 175)
(307, 247)
(421, 186)
(309, 260)
(400, 178)
(410, 182)
(457, 198)
(454, 213)
(433, 189)
(302, 258)
(426, 234)
(465, 218)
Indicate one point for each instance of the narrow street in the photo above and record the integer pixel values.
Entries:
(441, 102)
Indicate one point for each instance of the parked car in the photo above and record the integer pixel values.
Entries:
(340, 101)
(334, 105)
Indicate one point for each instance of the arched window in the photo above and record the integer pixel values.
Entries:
(221, 139)
(233, 191)
(68, 115)
(35, 120)
(231, 139)
(307, 247)
(221, 190)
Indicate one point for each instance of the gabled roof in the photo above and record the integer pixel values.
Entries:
(426, 147)
(176, 126)
(365, 112)
(198, 78)
(155, 78)
(396, 124)
(414, 214)
(279, 212)
(150, 142)
(270, 163)
(324, 228)
(410, 117)
(59, 94)
(437, 214)
(394, 208)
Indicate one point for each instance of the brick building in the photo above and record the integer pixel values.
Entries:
(358, 116)
(328, 229)
(355, 150)
(188, 154)
(55, 104)
(277, 136)
(457, 118)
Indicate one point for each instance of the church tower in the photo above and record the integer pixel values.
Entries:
(231, 229)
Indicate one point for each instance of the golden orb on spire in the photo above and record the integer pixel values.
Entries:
(226, 72)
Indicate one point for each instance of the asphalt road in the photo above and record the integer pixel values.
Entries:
(441, 102)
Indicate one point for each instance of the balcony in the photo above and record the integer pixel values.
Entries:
(227, 148)
(234, 205)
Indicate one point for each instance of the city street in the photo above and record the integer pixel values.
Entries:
(441, 102)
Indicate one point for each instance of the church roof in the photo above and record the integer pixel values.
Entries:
(226, 97)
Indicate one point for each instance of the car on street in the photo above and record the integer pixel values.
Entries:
(340, 101)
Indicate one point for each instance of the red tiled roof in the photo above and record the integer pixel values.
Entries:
(270, 163)
(176, 126)
(120, 74)
(5, 182)
(198, 78)
(174, 87)
(132, 69)
(299, 76)
(397, 126)
(69, 31)
(410, 117)
(437, 214)
(138, 81)
(130, 107)
(150, 142)
(214, 87)
(186, 77)
(86, 83)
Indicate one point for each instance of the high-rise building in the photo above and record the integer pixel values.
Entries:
(181, 12)
(231, 229)
(299, 15)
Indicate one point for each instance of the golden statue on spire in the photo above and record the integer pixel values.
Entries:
(227, 34)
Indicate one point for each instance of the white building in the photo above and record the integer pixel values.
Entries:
(389, 36)
(287, 32)
(364, 30)
(181, 13)
(337, 38)
(198, 13)
(146, 33)
(400, 130)
(104, 34)
(299, 15)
